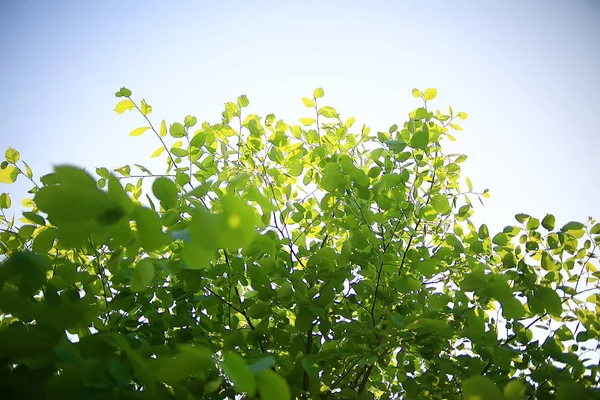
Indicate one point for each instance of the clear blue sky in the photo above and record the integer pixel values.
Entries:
(525, 71)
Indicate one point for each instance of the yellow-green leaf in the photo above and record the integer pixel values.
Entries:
(158, 152)
(27, 203)
(124, 105)
(416, 93)
(430, 94)
(308, 102)
(28, 170)
(9, 174)
(5, 200)
(145, 108)
(163, 128)
(307, 121)
(138, 131)
(12, 155)
(318, 93)
(469, 184)
(462, 115)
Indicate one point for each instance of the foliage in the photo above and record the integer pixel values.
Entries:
(276, 261)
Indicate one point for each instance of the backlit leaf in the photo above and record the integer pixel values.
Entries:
(430, 94)
(124, 105)
(157, 152)
(138, 131)
(9, 174)
(12, 155)
(308, 102)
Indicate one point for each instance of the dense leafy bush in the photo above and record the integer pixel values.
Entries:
(277, 261)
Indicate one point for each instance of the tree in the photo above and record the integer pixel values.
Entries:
(280, 261)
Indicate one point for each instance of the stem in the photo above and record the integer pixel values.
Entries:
(156, 133)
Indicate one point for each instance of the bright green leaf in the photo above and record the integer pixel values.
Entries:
(420, 140)
(440, 203)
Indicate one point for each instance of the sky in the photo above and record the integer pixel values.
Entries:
(524, 71)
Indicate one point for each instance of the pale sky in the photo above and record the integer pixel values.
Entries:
(526, 72)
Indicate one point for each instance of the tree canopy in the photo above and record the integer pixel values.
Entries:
(277, 261)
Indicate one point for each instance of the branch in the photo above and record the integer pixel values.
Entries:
(309, 341)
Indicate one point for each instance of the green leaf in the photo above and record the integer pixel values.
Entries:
(243, 101)
(177, 130)
(124, 92)
(430, 94)
(318, 93)
(551, 300)
(272, 386)
(179, 152)
(308, 102)
(166, 191)
(235, 367)
(420, 140)
(188, 360)
(124, 105)
(480, 388)
(310, 367)
(139, 131)
(44, 241)
(5, 201)
(9, 174)
(12, 155)
(548, 222)
(262, 364)
(440, 203)
(595, 229)
(514, 390)
(86, 203)
(145, 108)
(25, 270)
(142, 275)
(572, 226)
(102, 172)
(190, 121)
(149, 229)
(35, 218)
(532, 224)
